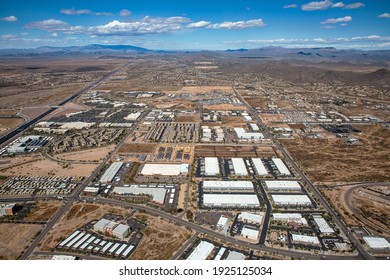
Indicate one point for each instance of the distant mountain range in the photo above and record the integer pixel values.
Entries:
(264, 52)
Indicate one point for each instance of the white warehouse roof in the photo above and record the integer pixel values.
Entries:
(239, 167)
(202, 251)
(290, 217)
(283, 185)
(259, 166)
(253, 218)
(305, 239)
(164, 169)
(291, 199)
(231, 200)
(233, 185)
(211, 166)
(281, 166)
(376, 242)
(158, 194)
(250, 233)
(111, 172)
(323, 226)
(242, 134)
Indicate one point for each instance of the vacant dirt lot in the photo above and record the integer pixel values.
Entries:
(161, 240)
(188, 118)
(79, 215)
(206, 89)
(233, 121)
(7, 124)
(225, 107)
(333, 160)
(256, 102)
(97, 154)
(137, 149)
(44, 210)
(271, 118)
(14, 238)
(44, 167)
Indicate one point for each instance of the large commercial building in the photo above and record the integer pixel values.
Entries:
(211, 166)
(121, 231)
(115, 229)
(239, 167)
(250, 218)
(158, 194)
(289, 218)
(376, 242)
(111, 172)
(322, 225)
(282, 168)
(165, 169)
(242, 134)
(250, 233)
(306, 239)
(228, 186)
(294, 200)
(282, 185)
(259, 167)
(231, 200)
(202, 251)
(7, 209)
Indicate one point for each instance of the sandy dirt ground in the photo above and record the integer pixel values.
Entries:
(68, 108)
(44, 167)
(334, 160)
(7, 124)
(137, 148)
(43, 210)
(225, 107)
(33, 112)
(79, 215)
(182, 196)
(271, 118)
(204, 89)
(97, 154)
(233, 121)
(188, 118)
(161, 240)
(14, 239)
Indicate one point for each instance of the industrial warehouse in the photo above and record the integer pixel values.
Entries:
(227, 186)
(111, 172)
(282, 185)
(291, 200)
(230, 200)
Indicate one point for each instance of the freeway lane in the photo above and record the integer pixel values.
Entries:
(9, 136)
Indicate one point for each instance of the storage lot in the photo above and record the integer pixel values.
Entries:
(39, 185)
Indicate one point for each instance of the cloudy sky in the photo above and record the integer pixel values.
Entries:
(194, 25)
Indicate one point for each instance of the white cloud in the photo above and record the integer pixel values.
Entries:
(49, 25)
(237, 24)
(124, 13)
(199, 24)
(356, 5)
(292, 6)
(147, 25)
(317, 5)
(9, 18)
(9, 37)
(337, 20)
(344, 24)
(84, 12)
(384, 15)
(338, 5)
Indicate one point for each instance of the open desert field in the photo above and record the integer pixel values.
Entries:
(43, 210)
(176, 104)
(271, 118)
(256, 102)
(94, 155)
(326, 160)
(79, 215)
(222, 107)
(7, 124)
(188, 117)
(43, 167)
(137, 149)
(161, 240)
(233, 121)
(14, 239)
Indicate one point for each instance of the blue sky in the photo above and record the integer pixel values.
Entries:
(180, 24)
